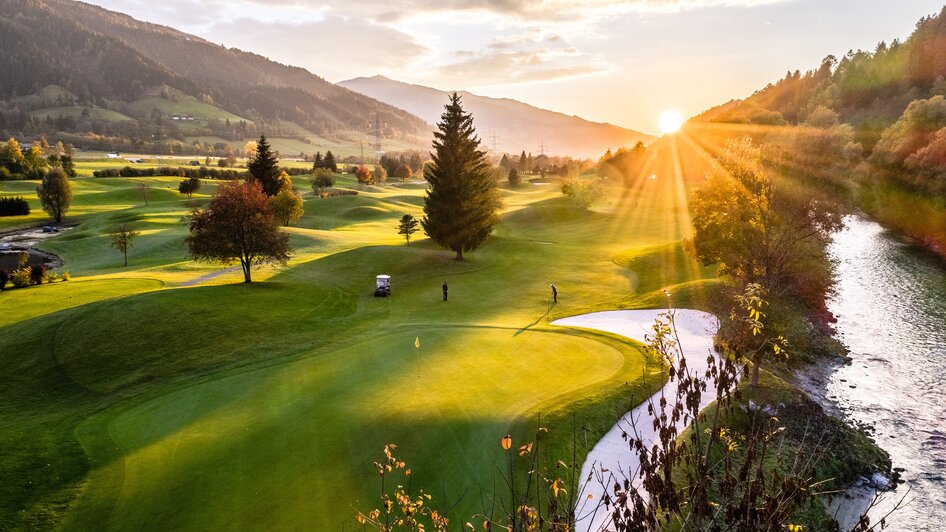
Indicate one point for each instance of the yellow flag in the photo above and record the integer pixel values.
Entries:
(417, 342)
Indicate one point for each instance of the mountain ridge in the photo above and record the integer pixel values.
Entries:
(105, 59)
(520, 126)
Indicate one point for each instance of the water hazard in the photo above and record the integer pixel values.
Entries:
(891, 310)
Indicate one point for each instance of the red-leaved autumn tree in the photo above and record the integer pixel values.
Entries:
(238, 224)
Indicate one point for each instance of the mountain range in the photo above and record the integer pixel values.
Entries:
(109, 81)
(517, 126)
(95, 60)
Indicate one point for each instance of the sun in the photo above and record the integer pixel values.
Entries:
(670, 122)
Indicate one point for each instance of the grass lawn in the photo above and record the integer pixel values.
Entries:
(134, 400)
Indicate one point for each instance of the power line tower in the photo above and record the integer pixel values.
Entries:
(377, 134)
(493, 138)
(542, 148)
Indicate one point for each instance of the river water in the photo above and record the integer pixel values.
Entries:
(891, 310)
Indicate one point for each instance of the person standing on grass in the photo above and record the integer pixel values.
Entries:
(554, 293)
(445, 290)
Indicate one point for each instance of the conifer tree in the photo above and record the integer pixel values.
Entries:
(462, 202)
(329, 162)
(265, 168)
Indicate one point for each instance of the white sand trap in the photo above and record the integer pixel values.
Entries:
(611, 460)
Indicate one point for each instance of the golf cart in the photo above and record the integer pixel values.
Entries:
(382, 286)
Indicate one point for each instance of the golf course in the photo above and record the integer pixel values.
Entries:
(168, 394)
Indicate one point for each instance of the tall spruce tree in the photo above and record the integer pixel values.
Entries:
(462, 202)
(265, 168)
(329, 161)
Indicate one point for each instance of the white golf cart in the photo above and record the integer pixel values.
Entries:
(382, 286)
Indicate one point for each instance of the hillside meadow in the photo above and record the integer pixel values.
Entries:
(169, 395)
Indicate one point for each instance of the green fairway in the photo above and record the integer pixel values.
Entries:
(158, 396)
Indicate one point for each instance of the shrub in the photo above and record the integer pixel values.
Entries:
(513, 178)
(201, 172)
(66, 276)
(189, 186)
(364, 175)
(37, 273)
(4, 279)
(15, 206)
(20, 278)
(582, 192)
(380, 174)
(332, 192)
(52, 277)
(324, 178)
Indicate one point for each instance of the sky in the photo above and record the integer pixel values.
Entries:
(620, 61)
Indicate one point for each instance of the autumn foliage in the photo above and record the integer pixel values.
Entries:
(238, 224)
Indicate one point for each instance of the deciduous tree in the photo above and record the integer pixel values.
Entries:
(55, 193)
(238, 224)
(123, 237)
(364, 175)
(287, 206)
(323, 179)
(189, 186)
(403, 172)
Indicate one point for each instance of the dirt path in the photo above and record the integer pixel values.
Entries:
(207, 277)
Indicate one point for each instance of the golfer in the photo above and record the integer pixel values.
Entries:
(445, 288)
(554, 293)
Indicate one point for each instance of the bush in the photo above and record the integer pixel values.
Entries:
(380, 174)
(20, 278)
(37, 273)
(323, 179)
(201, 172)
(189, 186)
(582, 192)
(15, 206)
(4, 279)
(66, 276)
(513, 178)
(332, 192)
(52, 277)
(364, 175)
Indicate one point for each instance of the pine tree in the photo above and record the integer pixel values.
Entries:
(265, 168)
(522, 162)
(462, 202)
(329, 162)
(318, 161)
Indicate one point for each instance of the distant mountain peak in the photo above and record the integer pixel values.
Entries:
(518, 126)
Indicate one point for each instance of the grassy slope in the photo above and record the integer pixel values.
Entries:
(96, 113)
(140, 405)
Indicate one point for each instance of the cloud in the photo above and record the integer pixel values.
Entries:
(334, 48)
(503, 66)
(539, 9)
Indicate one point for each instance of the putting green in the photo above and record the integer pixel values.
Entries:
(305, 433)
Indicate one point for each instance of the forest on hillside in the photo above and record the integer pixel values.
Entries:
(104, 74)
(885, 108)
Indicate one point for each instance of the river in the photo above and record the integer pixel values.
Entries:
(891, 310)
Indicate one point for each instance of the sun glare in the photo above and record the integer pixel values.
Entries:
(670, 122)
